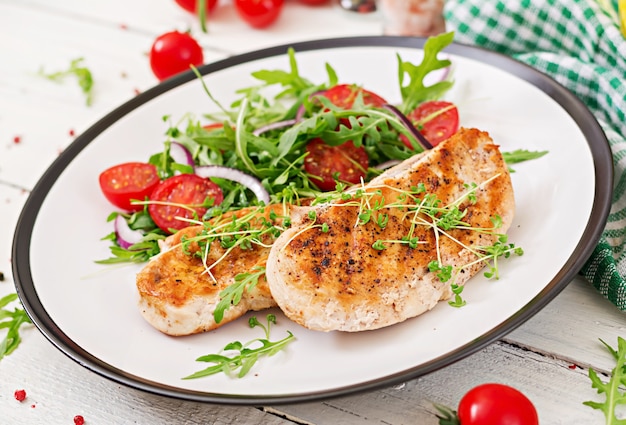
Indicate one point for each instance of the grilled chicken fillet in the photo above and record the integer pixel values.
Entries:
(178, 295)
(336, 280)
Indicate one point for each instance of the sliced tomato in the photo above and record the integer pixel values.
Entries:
(184, 189)
(191, 5)
(437, 120)
(344, 95)
(345, 163)
(126, 182)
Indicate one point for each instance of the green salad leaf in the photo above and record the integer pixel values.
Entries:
(615, 389)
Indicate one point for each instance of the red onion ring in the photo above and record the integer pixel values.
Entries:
(426, 145)
(387, 164)
(125, 235)
(235, 175)
(274, 126)
(181, 154)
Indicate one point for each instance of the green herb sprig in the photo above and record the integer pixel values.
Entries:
(83, 76)
(12, 321)
(244, 356)
(615, 388)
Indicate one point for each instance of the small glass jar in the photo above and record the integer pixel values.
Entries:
(420, 18)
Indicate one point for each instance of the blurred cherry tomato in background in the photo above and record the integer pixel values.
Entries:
(174, 52)
(314, 2)
(190, 5)
(259, 13)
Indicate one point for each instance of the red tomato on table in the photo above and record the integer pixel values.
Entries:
(174, 52)
(190, 5)
(184, 189)
(437, 120)
(259, 13)
(123, 183)
(496, 404)
(345, 163)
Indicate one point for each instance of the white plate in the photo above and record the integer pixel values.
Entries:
(90, 311)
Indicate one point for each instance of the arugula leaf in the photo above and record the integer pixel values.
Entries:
(415, 92)
(12, 321)
(246, 357)
(291, 80)
(521, 155)
(231, 295)
(82, 74)
(614, 388)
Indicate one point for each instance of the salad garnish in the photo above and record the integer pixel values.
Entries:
(83, 77)
(244, 356)
(12, 321)
(614, 389)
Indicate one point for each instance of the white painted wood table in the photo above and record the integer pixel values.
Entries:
(547, 358)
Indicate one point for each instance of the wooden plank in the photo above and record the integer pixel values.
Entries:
(541, 378)
(570, 327)
(41, 370)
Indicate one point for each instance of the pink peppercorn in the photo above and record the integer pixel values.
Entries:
(20, 395)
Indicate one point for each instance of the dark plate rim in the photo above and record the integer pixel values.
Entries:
(603, 168)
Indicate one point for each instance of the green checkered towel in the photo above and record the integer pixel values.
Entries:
(578, 43)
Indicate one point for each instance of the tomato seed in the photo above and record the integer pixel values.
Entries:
(20, 395)
(79, 420)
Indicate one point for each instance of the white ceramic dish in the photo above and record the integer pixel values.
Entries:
(89, 311)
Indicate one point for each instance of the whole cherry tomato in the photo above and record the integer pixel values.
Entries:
(126, 182)
(174, 52)
(184, 195)
(190, 5)
(496, 404)
(259, 13)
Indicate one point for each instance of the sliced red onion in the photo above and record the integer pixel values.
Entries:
(273, 126)
(235, 175)
(181, 154)
(409, 125)
(125, 235)
(387, 164)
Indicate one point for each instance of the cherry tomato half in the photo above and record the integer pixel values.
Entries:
(259, 13)
(190, 5)
(344, 95)
(174, 52)
(345, 162)
(123, 183)
(184, 189)
(496, 404)
(437, 120)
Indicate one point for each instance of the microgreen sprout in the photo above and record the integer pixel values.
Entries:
(82, 74)
(243, 356)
